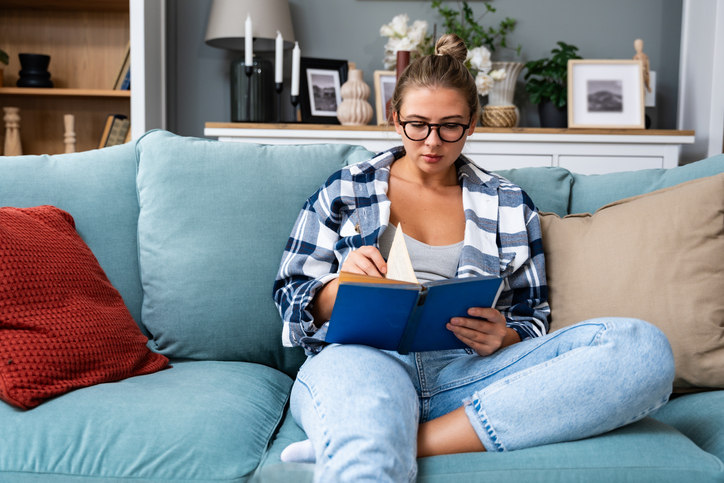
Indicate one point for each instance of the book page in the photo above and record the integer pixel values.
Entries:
(399, 266)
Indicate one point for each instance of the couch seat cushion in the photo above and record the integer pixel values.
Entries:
(700, 417)
(645, 451)
(198, 421)
(657, 257)
(289, 432)
(214, 220)
(648, 450)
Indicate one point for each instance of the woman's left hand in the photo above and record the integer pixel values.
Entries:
(485, 331)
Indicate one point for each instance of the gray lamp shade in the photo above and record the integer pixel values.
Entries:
(226, 23)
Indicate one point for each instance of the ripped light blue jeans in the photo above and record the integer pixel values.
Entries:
(361, 407)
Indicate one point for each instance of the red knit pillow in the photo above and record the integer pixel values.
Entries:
(62, 324)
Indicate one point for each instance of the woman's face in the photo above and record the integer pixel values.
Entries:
(437, 105)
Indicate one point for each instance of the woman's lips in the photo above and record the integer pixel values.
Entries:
(431, 158)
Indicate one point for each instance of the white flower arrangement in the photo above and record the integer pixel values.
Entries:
(479, 63)
(400, 36)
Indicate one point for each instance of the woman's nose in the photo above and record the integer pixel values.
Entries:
(433, 139)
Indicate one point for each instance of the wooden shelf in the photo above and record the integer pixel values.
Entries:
(86, 42)
(106, 5)
(41, 119)
(63, 92)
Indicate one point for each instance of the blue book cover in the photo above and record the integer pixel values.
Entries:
(405, 317)
(126, 84)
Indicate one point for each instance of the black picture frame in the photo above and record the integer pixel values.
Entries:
(320, 86)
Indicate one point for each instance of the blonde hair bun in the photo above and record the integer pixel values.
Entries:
(452, 45)
(446, 69)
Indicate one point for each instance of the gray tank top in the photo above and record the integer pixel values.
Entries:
(430, 262)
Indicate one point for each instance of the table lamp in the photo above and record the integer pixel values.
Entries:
(252, 26)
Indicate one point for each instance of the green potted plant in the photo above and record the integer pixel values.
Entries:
(546, 84)
(463, 23)
(4, 59)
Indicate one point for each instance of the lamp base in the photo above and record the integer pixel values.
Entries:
(252, 97)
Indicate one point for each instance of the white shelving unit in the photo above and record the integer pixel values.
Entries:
(586, 151)
(148, 65)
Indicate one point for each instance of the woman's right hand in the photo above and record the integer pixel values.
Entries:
(366, 260)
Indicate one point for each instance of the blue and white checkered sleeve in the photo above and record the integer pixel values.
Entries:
(308, 263)
(526, 289)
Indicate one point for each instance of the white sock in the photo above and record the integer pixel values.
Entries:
(299, 452)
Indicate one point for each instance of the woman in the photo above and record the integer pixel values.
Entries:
(369, 413)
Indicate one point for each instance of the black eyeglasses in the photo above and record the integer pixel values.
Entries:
(449, 132)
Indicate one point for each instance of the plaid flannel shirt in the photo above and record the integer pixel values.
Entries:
(502, 238)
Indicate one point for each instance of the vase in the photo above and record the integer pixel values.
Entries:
(252, 97)
(34, 71)
(403, 60)
(501, 110)
(354, 110)
(552, 116)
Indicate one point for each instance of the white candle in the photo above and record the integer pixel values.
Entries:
(279, 58)
(296, 58)
(248, 42)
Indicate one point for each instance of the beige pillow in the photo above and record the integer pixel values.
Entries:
(657, 257)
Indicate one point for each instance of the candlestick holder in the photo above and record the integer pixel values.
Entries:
(295, 103)
(248, 70)
(252, 96)
(279, 86)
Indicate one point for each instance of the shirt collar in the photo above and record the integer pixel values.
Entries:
(470, 172)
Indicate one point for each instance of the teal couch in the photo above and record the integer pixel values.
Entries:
(190, 231)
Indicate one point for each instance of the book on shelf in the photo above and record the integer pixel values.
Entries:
(116, 130)
(126, 84)
(123, 78)
(398, 313)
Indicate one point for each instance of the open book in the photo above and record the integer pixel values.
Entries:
(404, 315)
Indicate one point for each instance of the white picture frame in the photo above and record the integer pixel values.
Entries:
(605, 94)
(324, 90)
(385, 81)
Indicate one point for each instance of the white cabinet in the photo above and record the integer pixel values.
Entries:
(585, 151)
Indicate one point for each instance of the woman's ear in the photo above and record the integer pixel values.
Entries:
(396, 122)
(473, 124)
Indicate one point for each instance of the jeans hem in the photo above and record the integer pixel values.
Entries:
(482, 427)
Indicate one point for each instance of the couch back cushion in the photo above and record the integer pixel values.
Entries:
(214, 220)
(590, 192)
(98, 189)
(548, 187)
(658, 257)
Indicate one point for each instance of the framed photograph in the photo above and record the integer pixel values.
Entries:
(605, 94)
(320, 87)
(385, 81)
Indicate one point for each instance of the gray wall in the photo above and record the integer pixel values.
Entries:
(198, 79)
